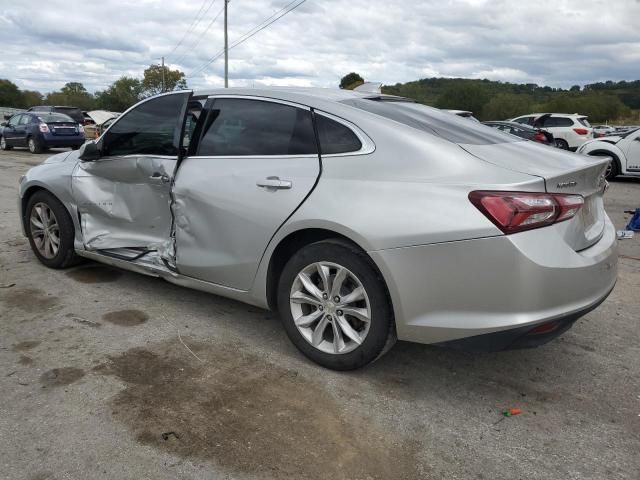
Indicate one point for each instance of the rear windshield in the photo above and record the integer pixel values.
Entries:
(54, 117)
(584, 122)
(73, 112)
(446, 125)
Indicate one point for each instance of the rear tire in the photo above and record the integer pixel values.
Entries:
(34, 145)
(613, 169)
(4, 145)
(560, 143)
(50, 230)
(345, 327)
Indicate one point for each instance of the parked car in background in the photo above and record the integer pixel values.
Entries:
(524, 131)
(359, 217)
(73, 112)
(569, 130)
(624, 150)
(41, 131)
(603, 130)
(463, 114)
(97, 122)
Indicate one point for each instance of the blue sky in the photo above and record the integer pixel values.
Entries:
(557, 43)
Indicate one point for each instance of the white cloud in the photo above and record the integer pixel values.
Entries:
(559, 43)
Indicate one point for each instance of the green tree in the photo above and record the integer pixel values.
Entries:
(506, 105)
(152, 81)
(464, 96)
(122, 94)
(10, 95)
(73, 94)
(351, 81)
(31, 98)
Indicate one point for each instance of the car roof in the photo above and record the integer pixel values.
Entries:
(508, 123)
(297, 94)
(553, 115)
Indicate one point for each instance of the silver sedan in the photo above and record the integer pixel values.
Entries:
(360, 217)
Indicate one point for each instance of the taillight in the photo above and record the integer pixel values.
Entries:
(540, 137)
(581, 131)
(515, 212)
(80, 128)
(44, 128)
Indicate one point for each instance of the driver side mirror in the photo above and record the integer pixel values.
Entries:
(7, 117)
(3, 124)
(89, 152)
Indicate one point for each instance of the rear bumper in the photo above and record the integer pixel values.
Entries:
(63, 141)
(521, 337)
(455, 290)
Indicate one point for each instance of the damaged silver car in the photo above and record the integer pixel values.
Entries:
(360, 217)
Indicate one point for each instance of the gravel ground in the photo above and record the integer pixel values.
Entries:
(112, 375)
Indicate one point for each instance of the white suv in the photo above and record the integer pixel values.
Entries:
(570, 130)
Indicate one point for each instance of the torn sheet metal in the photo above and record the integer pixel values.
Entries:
(125, 201)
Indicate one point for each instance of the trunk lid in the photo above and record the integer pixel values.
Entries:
(63, 128)
(563, 172)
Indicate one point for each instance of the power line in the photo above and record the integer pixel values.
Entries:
(190, 48)
(194, 24)
(255, 30)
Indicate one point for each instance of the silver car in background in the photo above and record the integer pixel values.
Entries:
(360, 217)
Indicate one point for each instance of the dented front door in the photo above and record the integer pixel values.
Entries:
(124, 198)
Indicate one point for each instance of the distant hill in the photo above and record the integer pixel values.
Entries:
(492, 100)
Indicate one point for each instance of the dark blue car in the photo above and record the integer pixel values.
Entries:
(40, 131)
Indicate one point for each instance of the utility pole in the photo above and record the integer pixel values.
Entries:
(226, 47)
(162, 74)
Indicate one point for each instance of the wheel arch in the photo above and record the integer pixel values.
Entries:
(298, 239)
(608, 153)
(30, 192)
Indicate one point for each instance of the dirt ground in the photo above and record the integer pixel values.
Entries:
(106, 374)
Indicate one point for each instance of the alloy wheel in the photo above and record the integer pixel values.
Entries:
(607, 173)
(330, 307)
(32, 145)
(45, 230)
(3, 143)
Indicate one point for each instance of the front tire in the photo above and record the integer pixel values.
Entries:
(560, 143)
(334, 306)
(50, 230)
(4, 145)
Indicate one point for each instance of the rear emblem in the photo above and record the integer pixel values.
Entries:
(567, 184)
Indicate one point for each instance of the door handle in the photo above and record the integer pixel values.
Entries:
(274, 183)
(160, 178)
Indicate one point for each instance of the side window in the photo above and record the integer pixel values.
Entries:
(25, 119)
(335, 137)
(558, 122)
(255, 127)
(15, 120)
(564, 122)
(152, 128)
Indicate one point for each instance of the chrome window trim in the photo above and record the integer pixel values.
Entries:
(310, 155)
(259, 98)
(367, 145)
